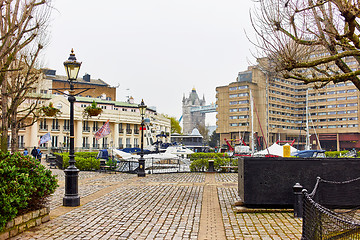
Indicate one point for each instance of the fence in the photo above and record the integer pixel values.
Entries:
(321, 222)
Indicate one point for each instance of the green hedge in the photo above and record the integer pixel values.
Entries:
(84, 161)
(202, 164)
(196, 156)
(25, 185)
(339, 154)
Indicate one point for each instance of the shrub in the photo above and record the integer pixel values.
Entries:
(84, 161)
(25, 185)
(195, 156)
(199, 165)
(202, 164)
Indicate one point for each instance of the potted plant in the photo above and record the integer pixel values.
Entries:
(92, 110)
(50, 111)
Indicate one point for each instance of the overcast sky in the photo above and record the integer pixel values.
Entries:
(157, 50)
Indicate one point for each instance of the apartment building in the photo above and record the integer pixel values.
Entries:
(279, 112)
(124, 119)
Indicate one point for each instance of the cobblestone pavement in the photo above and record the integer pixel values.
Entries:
(159, 206)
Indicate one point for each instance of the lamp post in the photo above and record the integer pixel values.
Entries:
(71, 198)
(141, 171)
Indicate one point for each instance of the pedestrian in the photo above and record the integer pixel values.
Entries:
(26, 152)
(39, 154)
(34, 152)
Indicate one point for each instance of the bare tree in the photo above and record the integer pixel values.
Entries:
(22, 26)
(23, 102)
(314, 41)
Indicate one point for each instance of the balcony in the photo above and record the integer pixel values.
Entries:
(136, 131)
(55, 128)
(86, 146)
(121, 130)
(121, 146)
(66, 128)
(136, 145)
(128, 131)
(95, 129)
(96, 146)
(43, 128)
(21, 145)
(86, 129)
(128, 145)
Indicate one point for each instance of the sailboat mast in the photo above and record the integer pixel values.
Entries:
(307, 144)
(252, 123)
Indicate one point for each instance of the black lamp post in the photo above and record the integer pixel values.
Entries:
(141, 171)
(71, 198)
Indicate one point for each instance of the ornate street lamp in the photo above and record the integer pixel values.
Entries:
(71, 198)
(141, 171)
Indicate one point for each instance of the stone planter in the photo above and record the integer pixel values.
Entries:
(21, 223)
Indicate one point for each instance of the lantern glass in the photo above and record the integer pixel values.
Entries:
(72, 67)
(142, 108)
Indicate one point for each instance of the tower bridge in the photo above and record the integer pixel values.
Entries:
(204, 109)
(194, 110)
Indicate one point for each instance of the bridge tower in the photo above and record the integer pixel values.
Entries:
(191, 118)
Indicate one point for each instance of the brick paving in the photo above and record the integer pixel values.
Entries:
(159, 206)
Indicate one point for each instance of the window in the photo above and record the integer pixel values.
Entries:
(54, 141)
(341, 98)
(21, 141)
(352, 104)
(352, 90)
(136, 144)
(244, 87)
(66, 125)
(128, 144)
(351, 97)
(243, 109)
(55, 125)
(105, 143)
(95, 126)
(341, 105)
(352, 111)
(95, 143)
(233, 110)
(331, 99)
(233, 95)
(232, 88)
(66, 142)
(331, 106)
(243, 94)
(85, 143)
(244, 102)
(233, 102)
(233, 124)
(233, 117)
(121, 146)
(43, 125)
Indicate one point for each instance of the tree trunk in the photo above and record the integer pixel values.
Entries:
(14, 133)
(4, 120)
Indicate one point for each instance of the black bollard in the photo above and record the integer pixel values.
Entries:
(211, 166)
(298, 203)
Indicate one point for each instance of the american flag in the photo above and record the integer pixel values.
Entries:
(103, 131)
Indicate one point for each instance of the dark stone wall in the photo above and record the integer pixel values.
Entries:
(265, 182)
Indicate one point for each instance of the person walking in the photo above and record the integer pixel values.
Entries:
(39, 155)
(34, 152)
(26, 152)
